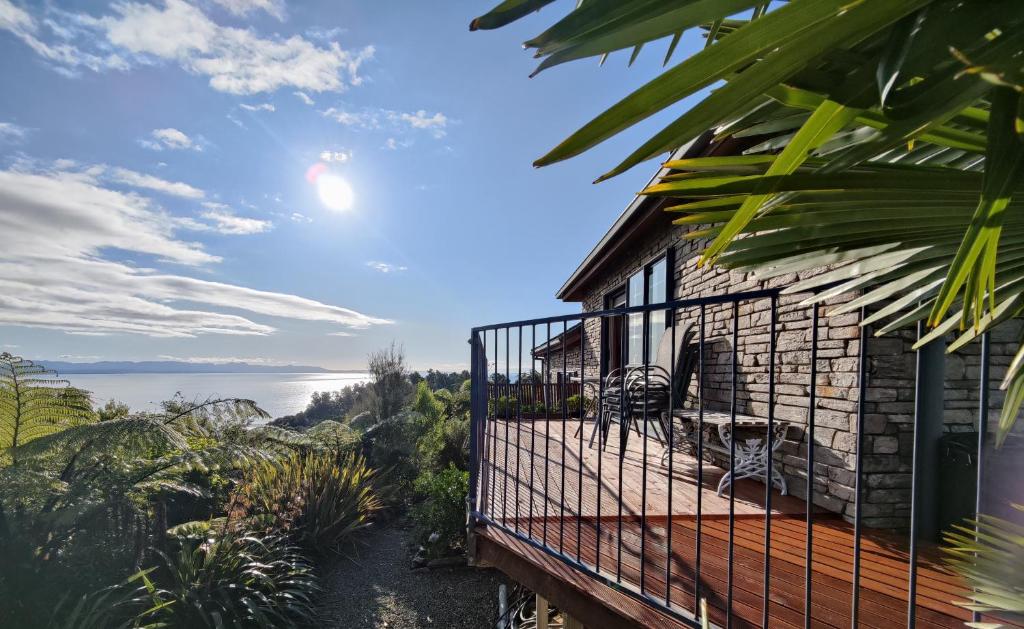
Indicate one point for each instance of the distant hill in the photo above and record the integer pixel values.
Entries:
(170, 366)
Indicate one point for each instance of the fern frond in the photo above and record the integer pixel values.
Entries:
(35, 402)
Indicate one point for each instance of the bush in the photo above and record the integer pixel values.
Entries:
(317, 498)
(390, 446)
(442, 508)
(503, 406)
(239, 580)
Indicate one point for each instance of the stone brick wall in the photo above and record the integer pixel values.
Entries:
(889, 397)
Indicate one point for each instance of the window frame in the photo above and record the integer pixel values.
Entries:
(646, 268)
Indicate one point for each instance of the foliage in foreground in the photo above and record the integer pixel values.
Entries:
(989, 552)
(35, 403)
(884, 137)
(237, 580)
(318, 498)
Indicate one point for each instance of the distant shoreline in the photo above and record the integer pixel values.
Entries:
(173, 367)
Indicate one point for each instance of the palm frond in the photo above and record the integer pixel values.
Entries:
(988, 553)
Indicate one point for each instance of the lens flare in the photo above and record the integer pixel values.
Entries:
(335, 193)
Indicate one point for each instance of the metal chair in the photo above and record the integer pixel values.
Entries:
(651, 387)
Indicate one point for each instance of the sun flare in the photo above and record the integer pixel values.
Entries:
(335, 193)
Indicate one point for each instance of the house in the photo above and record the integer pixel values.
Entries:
(760, 350)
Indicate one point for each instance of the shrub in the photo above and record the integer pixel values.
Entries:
(445, 443)
(390, 446)
(442, 508)
(317, 498)
(502, 406)
(573, 404)
(239, 580)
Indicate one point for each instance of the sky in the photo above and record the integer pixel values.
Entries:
(291, 182)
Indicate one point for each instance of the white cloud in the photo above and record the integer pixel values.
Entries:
(242, 8)
(80, 358)
(422, 120)
(66, 57)
(304, 97)
(398, 121)
(149, 182)
(236, 60)
(236, 121)
(393, 144)
(300, 218)
(325, 34)
(171, 138)
(336, 156)
(364, 120)
(227, 222)
(259, 107)
(56, 269)
(340, 334)
(10, 132)
(385, 267)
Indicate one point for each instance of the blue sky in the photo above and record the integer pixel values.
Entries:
(162, 164)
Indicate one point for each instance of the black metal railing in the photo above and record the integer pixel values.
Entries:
(521, 461)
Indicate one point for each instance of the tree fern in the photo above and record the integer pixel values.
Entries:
(34, 403)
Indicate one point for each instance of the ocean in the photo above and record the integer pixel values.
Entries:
(277, 393)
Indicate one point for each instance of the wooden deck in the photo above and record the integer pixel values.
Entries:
(579, 513)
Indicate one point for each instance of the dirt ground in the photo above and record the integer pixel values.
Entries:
(377, 588)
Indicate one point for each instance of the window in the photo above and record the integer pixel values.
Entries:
(647, 286)
(635, 324)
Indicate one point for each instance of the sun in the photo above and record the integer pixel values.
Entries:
(335, 193)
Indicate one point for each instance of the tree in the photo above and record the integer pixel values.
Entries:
(882, 137)
(389, 381)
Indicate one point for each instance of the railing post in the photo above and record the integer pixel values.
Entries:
(477, 415)
(928, 419)
(477, 395)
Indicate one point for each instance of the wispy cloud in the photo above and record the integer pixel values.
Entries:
(393, 144)
(236, 60)
(243, 8)
(339, 157)
(56, 270)
(304, 97)
(227, 222)
(65, 57)
(435, 123)
(173, 139)
(149, 182)
(345, 334)
(259, 107)
(300, 218)
(10, 132)
(386, 267)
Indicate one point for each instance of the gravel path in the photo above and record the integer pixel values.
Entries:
(377, 588)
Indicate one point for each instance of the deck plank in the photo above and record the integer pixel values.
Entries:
(568, 500)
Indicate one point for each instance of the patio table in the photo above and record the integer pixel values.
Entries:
(751, 443)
